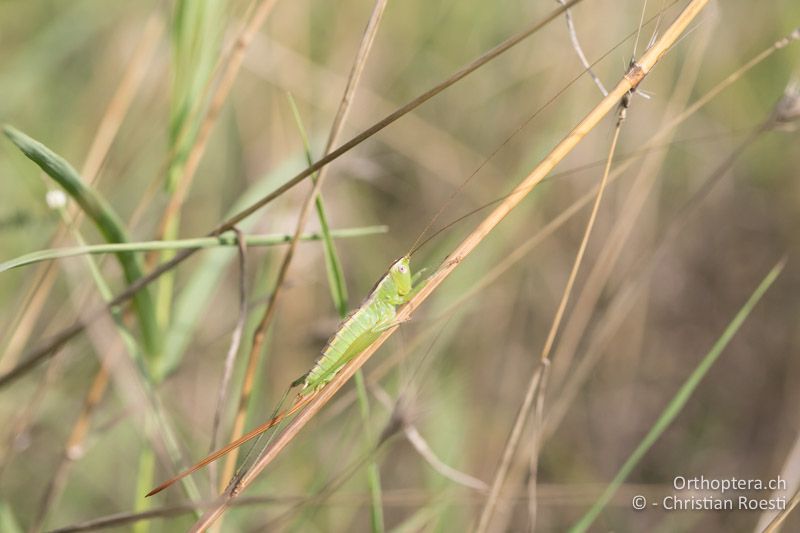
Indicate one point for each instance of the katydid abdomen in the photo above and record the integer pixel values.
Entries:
(356, 333)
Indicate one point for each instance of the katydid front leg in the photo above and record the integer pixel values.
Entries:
(418, 285)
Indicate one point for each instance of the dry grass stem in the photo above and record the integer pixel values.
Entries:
(266, 319)
(116, 110)
(570, 263)
(233, 348)
(628, 82)
(576, 44)
(39, 354)
(227, 77)
(544, 359)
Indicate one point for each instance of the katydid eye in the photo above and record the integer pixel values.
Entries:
(401, 269)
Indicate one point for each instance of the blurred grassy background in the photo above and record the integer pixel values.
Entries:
(462, 371)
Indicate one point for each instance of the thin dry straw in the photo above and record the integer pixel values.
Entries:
(639, 274)
(233, 348)
(58, 340)
(544, 360)
(533, 461)
(776, 523)
(419, 242)
(115, 112)
(628, 82)
(333, 267)
(682, 396)
(591, 291)
(576, 44)
(636, 194)
(224, 85)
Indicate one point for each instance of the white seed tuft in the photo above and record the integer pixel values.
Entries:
(56, 199)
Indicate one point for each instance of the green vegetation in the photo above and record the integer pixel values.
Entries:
(160, 121)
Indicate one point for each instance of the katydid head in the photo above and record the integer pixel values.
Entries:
(401, 275)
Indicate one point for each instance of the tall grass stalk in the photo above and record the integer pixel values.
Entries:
(536, 382)
(37, 355)
(643, 66)
(676, 405)
(115, 112)
(333, 265)
(227, 240)
(196, 35)
(338, 288)
(104, 217)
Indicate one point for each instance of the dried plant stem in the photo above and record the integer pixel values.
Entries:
(73, 448)
(510, 448)
(261, 329)
(544, 359)
(777, 523)
(576, 44)
(426, 452)
(404, 498)
(122, 99)
(45, 275)
(221, 92)
(38, 355)
(233, 349)
(533, 461)
(562, 306)
(602, 268)
(630, 292)
(628, 82)
(627, 219)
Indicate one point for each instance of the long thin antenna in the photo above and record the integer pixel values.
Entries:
(468, 214)
(464, 183)
(454, 222)
(417, 245)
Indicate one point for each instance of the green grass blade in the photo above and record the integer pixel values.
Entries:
(373, 471)
(104, 217)
(9, 522)
(144, 480)
(192, 301)
(678, 401)
(197, 29)
(112, 229)
(156, 415)
(226, 240)
(338, 287)
(196, 34)
(333, 266)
